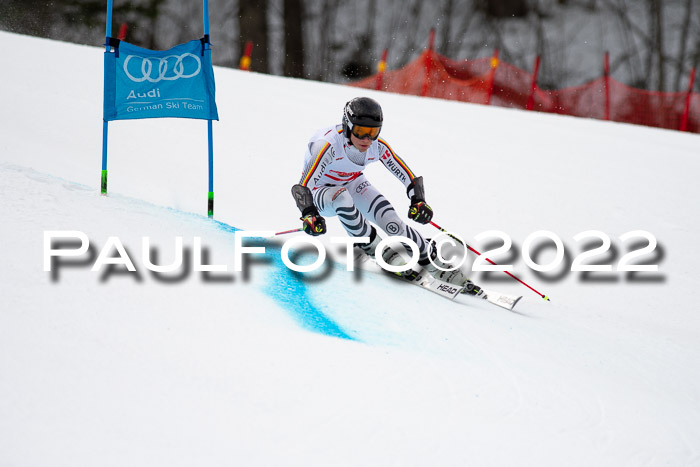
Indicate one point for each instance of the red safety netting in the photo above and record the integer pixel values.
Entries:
(493, 82)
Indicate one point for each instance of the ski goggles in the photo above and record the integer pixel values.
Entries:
(362, 132)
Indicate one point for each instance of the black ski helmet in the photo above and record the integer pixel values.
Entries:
(361, 111)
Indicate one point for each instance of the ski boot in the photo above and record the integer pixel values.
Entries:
(389, 255)
(472, 289)
(447, 273)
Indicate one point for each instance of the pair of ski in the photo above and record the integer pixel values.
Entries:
(426, 281)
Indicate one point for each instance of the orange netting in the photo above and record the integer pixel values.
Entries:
(489, 81)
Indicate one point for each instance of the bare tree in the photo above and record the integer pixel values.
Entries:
(361, 45)
(635, 42)
(293, 38)
(444, 27)
(27, 16)
(252, 18)
(656, 55)
(683, 43)
(503, 8)
(409, 22)
(322, 39)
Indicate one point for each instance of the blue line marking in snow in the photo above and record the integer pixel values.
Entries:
(290, 292)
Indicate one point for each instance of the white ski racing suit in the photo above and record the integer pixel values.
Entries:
(333, 172)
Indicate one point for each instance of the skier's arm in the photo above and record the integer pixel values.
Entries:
(394, 163)
(419, 210)
(314, 223)
(322, 155)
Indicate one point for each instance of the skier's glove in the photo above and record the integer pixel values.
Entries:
(314, 224)
(419, 210)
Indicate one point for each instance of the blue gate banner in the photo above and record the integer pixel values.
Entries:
(142, 83)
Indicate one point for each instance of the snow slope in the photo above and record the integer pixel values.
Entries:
(271, 368)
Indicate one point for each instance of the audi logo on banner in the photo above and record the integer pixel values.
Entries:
(168, 68)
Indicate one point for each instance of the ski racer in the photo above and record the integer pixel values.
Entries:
(333, 184)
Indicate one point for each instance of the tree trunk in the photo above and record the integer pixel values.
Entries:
(32, 17)
(656, 52)
(504, 8)
(683, 45)
(444, 28)
(252, 17)
(293, 38)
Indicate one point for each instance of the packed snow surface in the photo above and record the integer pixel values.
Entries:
(270, 367)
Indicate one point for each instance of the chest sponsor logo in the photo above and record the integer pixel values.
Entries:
(344, 174)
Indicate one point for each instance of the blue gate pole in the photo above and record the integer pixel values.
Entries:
(210, 135)
(205, 7)
(103, 184)
(210, 204)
